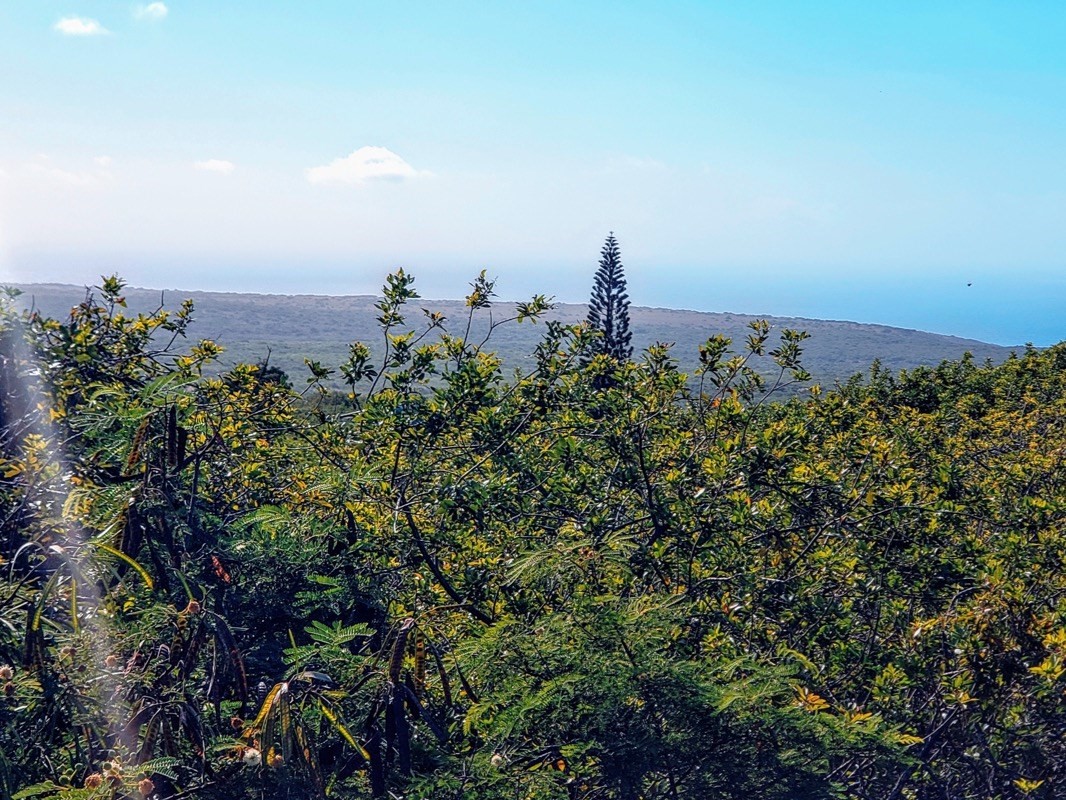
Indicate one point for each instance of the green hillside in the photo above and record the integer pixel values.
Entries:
(320, 327)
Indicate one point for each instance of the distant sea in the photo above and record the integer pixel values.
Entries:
(1003, 308)
(1008, 306)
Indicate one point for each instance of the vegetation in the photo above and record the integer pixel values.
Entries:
(609, 306)
(291, 328)
(465, 584)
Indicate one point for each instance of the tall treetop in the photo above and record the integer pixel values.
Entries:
(609, 304)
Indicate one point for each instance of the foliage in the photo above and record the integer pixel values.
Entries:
(465, 584)
(291, 328)
(609, 306)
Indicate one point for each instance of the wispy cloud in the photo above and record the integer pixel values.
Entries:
(215, 165)
(364, 165)
(151, 11)
(80, 26)
(103, 161)
(44, 169)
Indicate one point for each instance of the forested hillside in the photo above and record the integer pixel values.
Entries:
(291, 328)
(599, 580)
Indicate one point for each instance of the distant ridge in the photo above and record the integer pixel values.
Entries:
(294, 327)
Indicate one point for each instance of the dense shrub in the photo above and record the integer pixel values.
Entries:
(460, 583)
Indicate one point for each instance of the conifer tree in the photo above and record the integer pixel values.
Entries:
(609, 305)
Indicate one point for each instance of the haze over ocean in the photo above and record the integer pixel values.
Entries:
(1006, 308)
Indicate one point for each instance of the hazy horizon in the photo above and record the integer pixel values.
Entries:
(899, 165)
(950, 304)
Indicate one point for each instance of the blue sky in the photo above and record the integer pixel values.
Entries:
(843, 160)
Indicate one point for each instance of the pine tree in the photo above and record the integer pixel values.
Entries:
(609, 305)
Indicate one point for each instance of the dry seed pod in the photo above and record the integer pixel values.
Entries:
(136, 445)
(172, 436)
(396, 662)
(420, 664)
(183, 443)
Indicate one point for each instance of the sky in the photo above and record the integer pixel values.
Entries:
(901, 163)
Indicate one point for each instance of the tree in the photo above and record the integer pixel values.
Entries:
(609, 305)
(467, 587)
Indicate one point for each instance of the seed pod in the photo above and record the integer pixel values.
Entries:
(396, 662)
(172, 436)
(136, 445)
(183, 442)
(420, 664)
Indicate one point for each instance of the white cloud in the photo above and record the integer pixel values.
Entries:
(57, 175)
(151, 11)
(43, 171)
(365, 164)
(216, 165)
(80, 26)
